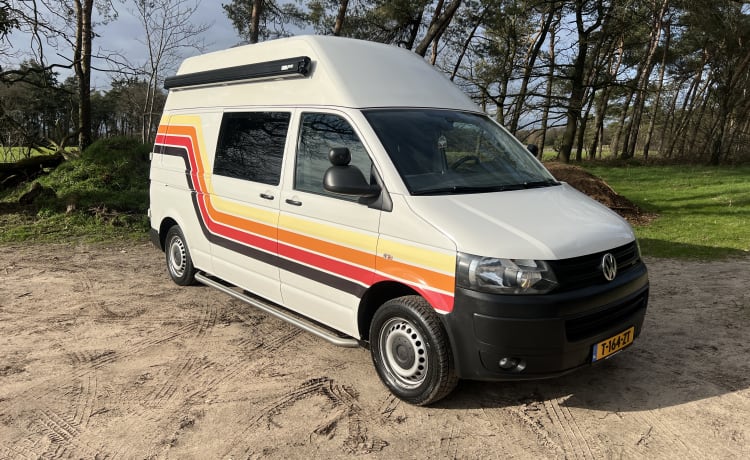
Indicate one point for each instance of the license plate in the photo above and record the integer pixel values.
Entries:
(613, 344)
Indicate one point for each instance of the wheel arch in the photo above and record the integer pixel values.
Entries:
(374, 298)
(164, 227)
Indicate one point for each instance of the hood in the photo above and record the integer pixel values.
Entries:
(545, 224)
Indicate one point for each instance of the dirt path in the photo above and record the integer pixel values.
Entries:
(101, 356)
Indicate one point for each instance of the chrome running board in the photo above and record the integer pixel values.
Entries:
(315, 329)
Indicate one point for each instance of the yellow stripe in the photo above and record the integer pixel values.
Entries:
(248, 212)
(349, 238)
(195, 122)
(400, 252)
(424, 257)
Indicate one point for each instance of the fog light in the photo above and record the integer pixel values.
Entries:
(511, 364)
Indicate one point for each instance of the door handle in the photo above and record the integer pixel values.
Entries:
(266, 196)
(294, 202)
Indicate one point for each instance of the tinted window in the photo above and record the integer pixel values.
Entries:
(445, 151)
(251, 146)
(319, 133)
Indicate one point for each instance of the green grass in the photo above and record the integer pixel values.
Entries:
(102, 195)
(13, 154)
(703, 212)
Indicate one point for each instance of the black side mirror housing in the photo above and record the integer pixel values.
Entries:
(533, 149)
(346, 179)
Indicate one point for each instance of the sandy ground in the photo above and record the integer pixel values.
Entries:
(102, 356)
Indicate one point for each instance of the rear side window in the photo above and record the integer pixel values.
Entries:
(251, 146)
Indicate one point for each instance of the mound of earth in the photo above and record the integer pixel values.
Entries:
(598, 189)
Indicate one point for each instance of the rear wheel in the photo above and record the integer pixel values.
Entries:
(179, 263)
(410, 350)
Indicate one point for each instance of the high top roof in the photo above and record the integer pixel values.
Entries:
(342, 72)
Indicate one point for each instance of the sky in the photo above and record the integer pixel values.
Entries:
(122, 35)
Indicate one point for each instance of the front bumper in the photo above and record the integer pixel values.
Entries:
(553, 334)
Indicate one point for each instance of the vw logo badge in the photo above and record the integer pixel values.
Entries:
(609, 266)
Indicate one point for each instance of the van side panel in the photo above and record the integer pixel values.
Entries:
(172, 193)
(329, 246)
(229, 214)
(415, 253)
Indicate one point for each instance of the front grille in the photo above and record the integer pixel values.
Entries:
(592, 324)
(586, 270)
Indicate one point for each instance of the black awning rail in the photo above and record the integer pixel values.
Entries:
(279, 68)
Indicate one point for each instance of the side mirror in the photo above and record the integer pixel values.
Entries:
(533, 149)
(346, 179)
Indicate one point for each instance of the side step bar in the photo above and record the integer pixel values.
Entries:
(320, 331)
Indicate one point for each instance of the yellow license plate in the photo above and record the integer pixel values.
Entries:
(613, 344)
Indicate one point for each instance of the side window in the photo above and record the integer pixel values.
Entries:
(319, 133)
(251, 146)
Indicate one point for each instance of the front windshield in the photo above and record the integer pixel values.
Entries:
(445, 151)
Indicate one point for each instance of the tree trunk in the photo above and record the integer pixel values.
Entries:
(688, 108)
(728, 101)
(82, 68)
(631, 140)
(582, 128)
(416, 23)
(575, 103)
(603, 104)
(659, 89)
(621, 125)
(550, 84)
(255, 20)
(466, 44)
(578, 78)
(688, 100)
(343, 5)
(438, 24)
(12, 174)
(530, 61)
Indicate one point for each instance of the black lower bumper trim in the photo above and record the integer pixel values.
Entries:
(550, 334)
(153, 235)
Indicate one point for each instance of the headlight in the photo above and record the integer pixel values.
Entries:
(504, 276)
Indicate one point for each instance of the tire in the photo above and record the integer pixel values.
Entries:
(410, 351)
(179, 264)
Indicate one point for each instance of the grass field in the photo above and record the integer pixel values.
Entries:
(704, 212)
(13, 154)
(102, 195)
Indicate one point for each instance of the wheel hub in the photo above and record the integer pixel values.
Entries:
(404, 353)
(177, 257)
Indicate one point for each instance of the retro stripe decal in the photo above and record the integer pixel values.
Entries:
(299, 246)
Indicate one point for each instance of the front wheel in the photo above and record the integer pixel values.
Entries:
(179, 263)
(410, 350)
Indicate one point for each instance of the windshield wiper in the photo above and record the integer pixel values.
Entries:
(458, 189)
(540, 183)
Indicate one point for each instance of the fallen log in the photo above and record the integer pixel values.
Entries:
(12, 174)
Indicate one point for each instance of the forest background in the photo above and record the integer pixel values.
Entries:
(583, 78)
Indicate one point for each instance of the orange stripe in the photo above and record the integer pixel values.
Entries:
(354, 256)
(217, 215)
(190, 131)
(406, 272)
(416, 275)
(239, 222)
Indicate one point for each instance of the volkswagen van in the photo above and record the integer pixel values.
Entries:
(351, 189)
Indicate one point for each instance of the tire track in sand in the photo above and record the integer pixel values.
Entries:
(344, 402)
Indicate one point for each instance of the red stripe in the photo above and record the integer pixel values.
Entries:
(237, 235)
(438, 300)
(367, 277)
(342, 269)
(187, 143)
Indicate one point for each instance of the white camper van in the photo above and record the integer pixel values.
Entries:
(349, 188)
